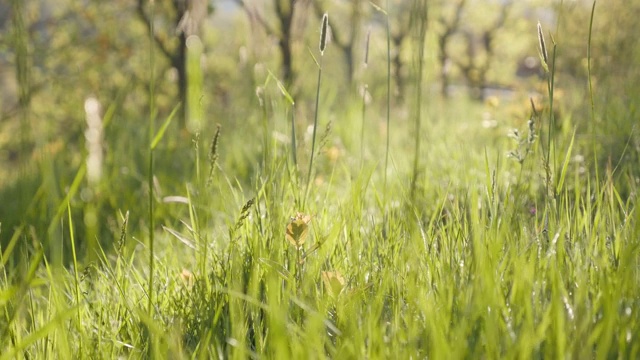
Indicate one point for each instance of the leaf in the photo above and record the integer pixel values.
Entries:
(281, 270)
(180, 237)
(378, 8)
(298, 229)
(314, 58)
(333, 281)
(282, 89)
(164, 127)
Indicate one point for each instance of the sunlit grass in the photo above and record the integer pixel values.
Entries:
(464, 262)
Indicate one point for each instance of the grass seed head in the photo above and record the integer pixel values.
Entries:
(533, 107)
(244, 213)
(532, 131)
(123, 234)
(366, 49)
(323, 33)
(213, 155)
(543, 48)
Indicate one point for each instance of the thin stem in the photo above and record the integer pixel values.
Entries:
(551, 125)
(315, 128)
(593, 128)
(386, 158)
(75, 271)
(20, 43)
(364, 110)
(265, 139)
(150, 169)
(293, 138)
(421, 18)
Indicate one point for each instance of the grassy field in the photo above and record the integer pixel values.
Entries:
(494, 243)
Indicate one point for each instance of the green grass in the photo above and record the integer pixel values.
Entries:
(462, 271)
(472, 259)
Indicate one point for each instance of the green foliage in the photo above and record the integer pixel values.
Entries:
(612, 76)
(462, 254)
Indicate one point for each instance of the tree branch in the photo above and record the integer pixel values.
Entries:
(254, 15)
(451, 27)
(161, 44)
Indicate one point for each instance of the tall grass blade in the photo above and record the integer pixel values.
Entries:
(419, 20)
(589, 76)
(565, 166)
(163, 128)
(150, 172)
(388, 142)
(56, 323)
(323, 44)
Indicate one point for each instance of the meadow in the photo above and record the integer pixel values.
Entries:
(303, 224)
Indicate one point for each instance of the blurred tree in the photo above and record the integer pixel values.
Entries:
(399, 15)
(183, 18)
(615, 76)
(476, 57)
(59, 54)
(288, 27)
(615, 49)
(400, 28)
(346, 24)
(22, 64)
(480, 52)
(449, 26)
(468, 37)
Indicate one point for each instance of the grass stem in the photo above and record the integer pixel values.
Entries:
(388, 142)
(323, 45)
(150, 184)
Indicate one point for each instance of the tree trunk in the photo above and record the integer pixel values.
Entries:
(284, 10)
(398, 67)
(180, 63)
